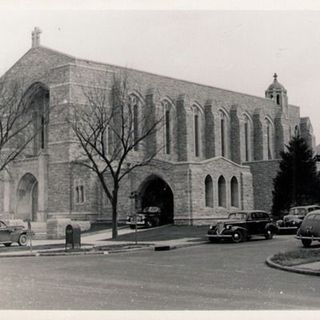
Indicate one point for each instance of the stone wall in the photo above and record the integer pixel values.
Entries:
(263, 173)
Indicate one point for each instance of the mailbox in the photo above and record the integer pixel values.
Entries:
(73, 236)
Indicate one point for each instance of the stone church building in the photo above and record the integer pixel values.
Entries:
(220, 154)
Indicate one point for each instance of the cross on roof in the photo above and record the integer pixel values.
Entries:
(36, 37)
(275, 76)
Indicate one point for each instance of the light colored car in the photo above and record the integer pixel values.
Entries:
(310, 229)
(10, 234)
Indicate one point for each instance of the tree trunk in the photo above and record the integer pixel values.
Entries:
(115, 215)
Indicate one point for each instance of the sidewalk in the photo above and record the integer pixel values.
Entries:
(100, 243)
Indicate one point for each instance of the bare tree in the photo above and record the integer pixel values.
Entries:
(109, 127)
(17, 128)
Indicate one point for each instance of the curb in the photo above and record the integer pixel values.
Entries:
(274, 265)
(97, 252)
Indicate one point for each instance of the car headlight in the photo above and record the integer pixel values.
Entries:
(228, 227)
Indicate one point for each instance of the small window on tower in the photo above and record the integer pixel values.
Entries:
(278, 99)
(79, 195)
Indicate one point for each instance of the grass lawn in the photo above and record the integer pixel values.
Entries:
(297, 257)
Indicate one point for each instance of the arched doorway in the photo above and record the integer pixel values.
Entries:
(27, 198)
(155, 192)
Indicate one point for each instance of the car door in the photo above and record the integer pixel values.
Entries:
(252, 223)
(4, 233)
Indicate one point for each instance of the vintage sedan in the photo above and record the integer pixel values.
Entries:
(10, 234)
(148, 217)
(240, 226)
(310, 229)
(294, 218)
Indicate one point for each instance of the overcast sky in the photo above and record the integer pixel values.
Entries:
(234, 50)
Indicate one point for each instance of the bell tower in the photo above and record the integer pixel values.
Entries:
(278, 93)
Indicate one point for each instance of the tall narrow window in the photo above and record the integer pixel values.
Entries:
(223, 134)
(79, 196)
(278, 99)
(168, 132)
(196, 135)
(222, 192)
(269, 139)
(42, 131)
(223, 138)
(135, 126)
(109, 140)
(246, 140)
(234, 192)
(208, 192)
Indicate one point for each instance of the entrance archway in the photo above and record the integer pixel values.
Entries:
(27, 198)
(155, 192)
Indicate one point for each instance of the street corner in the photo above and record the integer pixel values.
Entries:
(290, 265)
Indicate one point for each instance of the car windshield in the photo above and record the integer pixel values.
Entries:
(238, 216)
(297, 211)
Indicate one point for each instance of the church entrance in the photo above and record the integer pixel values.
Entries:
(155, 192)
(27, 198)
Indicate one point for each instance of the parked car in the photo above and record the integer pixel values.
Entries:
(10, 234)
(240, 226)
(148, 217)
(310, 229)
(294, 218)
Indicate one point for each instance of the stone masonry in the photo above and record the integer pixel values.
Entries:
(223, 155)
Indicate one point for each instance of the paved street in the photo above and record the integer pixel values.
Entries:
(209, 276)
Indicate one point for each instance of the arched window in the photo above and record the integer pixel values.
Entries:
(223, 133)
(269, 137)
(196, 129)
(79, 195)
(167, 126)
(296, 131)
(134, 108)
(247, 139)
(234, 192)
(278, 99)
(209, 191)
(135, 126)
(222, 192)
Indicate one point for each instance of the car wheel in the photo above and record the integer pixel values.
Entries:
(23, 239)
(237, 237)
(306, 242)
(269, 234)
(8, 244)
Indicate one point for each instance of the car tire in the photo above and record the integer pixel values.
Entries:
(237, 237)
(269, 235)
(8, 244)
(306, 242)
(23, 239)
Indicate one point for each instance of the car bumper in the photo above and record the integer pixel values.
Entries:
(139, 223)
(219, 236)
(307, 238)
(287, 228)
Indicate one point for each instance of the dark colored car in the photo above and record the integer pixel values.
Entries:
(294, 218)
(148, 217)
(310, 229)
(10, 234)
(240, 226)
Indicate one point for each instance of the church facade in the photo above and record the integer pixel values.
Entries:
(221, 148)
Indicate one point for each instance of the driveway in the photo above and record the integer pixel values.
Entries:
(222, 276)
